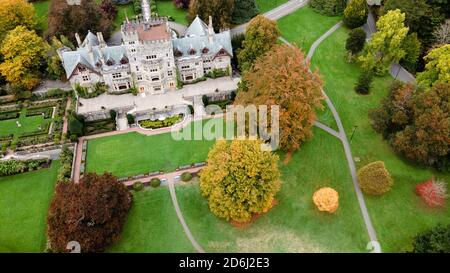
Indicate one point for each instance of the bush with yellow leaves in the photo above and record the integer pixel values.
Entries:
(326, 199)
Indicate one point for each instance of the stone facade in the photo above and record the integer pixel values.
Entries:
(151, 59)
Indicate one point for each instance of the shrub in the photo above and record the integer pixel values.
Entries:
(375, 179)
(432, 192)
(130, 118)
(329, 7)
(138, 186)
(364, 83)
(435, 240)
(155, 182)
(355, 41)
(326, 199)
(355, 15)
(191, 109)
(186, 176)
(205, 100)
(113, 114)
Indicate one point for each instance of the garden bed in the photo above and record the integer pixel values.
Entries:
(157, 124)
(99, 127)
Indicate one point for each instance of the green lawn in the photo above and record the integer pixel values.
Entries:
(41, 8)
(305, 26)
(131, 154)
(153, 226)
(294, 225)
(122, 12)
(166, 8)
(24, 203)
(398, 215)
(266, 5)
(28, 124)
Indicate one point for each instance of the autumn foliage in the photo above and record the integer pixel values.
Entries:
(240, 179)
(326, 199)
(375, 179)
(91, 213)
(432, 192)
(282, 77)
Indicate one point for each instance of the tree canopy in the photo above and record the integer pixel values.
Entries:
(355, 14)
(220, 10)
(240, 179)
(437, 67)
(15, 13)
(244, 10)
(91, 212)
(261, 35)
(385, 46)
(282, 77)
(23, 51)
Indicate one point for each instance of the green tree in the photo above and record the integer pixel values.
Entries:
(240, 179)
(15, 13)
(437, 67)
(355, 14)
(23, 51)
(54, 65)
(261, 35)
(356, 41)
(422, 17)
(364, 83)
(244, 10)
(329, 7)
(435, 240)
(282, 77)
(385, 46)
(220, 10)
(411, 46)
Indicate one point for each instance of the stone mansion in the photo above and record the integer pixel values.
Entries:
(152, 58)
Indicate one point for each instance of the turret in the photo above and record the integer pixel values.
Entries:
(210, 30)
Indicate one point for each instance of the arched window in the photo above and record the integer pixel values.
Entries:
(124, 60)
(98, 64)
(110, 62)
(192, 51)
(205, 50)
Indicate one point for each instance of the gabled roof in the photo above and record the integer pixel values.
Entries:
(221, 40)
(91, 39)
(71, 59)
(197, 28)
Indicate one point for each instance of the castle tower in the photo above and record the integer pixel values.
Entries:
(146, 10)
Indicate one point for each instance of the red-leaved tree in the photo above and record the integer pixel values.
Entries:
(433, 192)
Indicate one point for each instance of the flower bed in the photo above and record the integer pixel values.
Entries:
(157, 124)
(12, 167)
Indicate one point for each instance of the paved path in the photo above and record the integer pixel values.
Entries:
(275, 14)
(65, 122)
(188, 233)
(341, 135)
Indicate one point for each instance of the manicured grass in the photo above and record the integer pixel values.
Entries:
(305, 26)
(24, 203)
(399, 215)
(294, 225)
(122, 12)
(152, 225)
(266, 5)
(41, 8)
(28, 124)
(166, 8)
(133, 153)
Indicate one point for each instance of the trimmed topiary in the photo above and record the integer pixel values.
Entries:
(186, 176)
(155, 182)
(138, 186)
(355, 15)
(374, 178)
(326, 199)
(329, 7)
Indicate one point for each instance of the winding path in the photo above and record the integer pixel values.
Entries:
(341, 135)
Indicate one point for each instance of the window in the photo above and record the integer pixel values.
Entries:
(139, 78)
(110, 62)
(157, 88)
(81, 68)
(86, 78)
(154, 70)
(169, 73)
(155, 79)
(178, 53)
(116, 75)
(124, 60)
(131, 43)
(185, 67)
(205, 50)
(137, 68)
(133, 50)
(168, 64)
(207, 61)
(149, 57)
(192, 51)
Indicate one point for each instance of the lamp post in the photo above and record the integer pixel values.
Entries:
(353, 133)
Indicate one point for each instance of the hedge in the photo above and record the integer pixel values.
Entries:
(375, 179)
(155, 182)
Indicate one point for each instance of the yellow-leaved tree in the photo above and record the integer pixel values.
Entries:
(240, 179)
(14, 13)
(23, 52)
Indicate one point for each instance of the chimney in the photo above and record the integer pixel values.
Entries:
(77, 36)
(210, 30)
(101, 41)
(90, 52)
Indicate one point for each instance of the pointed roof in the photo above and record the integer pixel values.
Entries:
(91, 39)
(197, 28)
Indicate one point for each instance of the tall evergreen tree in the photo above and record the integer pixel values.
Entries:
(244, 10)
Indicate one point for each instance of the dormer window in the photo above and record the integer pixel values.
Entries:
(192, 51)
(124, 60)
(98, 64)
(110, 62)
(81, 68)
(222, 52)
(178, 53)
(205, 50)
